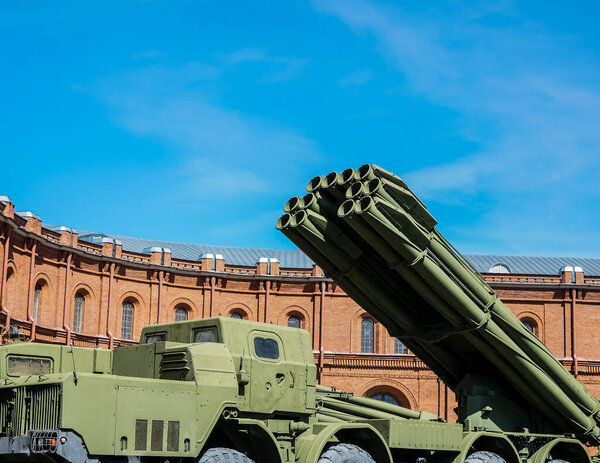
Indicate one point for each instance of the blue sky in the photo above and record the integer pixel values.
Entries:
(195, 121)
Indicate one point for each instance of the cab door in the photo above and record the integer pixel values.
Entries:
(268, 376)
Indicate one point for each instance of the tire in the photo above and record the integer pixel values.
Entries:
(345, 453)
(224, 455)
(483, 456)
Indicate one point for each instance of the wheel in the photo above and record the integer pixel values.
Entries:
(345, 453)
(221, 454)
(483, 456)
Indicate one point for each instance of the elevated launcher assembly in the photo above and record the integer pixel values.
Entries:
(371, 234)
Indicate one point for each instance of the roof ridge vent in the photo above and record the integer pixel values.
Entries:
(28, 214)
(499, 267)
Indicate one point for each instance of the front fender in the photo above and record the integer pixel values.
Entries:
(311, 443)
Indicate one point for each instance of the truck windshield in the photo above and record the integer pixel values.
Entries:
(206, 335)
(20, 366)
(153, 338)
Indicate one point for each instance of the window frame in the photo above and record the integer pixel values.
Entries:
(78, 312)
(130, 321)
(364, 322)
(405, 350)
(205, 328)
(37, 296)
(29, 357)
(180, 309)
(297, 317)
(267, 335)
(163, 334)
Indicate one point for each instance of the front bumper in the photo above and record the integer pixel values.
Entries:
(49, 446)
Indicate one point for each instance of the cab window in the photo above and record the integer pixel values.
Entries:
(21, 366)
(153, 338)
(206, 334)
(266, 348)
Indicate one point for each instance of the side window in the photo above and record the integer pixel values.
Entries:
(206, 334)
(266, 348)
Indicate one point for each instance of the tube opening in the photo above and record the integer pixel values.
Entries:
(283, 222)
(292, 204)
(363, 172)
(372, 186)
(346, 208)
(307, 200)
(298, 218)
(346, 176)
(314, 184)
(329, 180)
(354, 190)
(364, 204)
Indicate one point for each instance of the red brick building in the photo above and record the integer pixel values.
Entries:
(59, 285)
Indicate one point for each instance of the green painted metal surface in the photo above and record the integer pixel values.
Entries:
(185, 383)
(376, 239)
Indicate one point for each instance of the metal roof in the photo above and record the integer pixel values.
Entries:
(294, 258)
(289, 258)
(534, 265)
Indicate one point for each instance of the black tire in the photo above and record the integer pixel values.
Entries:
(483, 456)
(224, 455)
(345, 453)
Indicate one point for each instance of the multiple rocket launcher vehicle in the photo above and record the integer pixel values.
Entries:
(374, 237)
(221, 390)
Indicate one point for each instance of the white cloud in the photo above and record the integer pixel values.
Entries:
(527, 97)
(219, 151)
(521, 81)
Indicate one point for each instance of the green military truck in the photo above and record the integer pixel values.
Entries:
(224, 390)
(211, 390)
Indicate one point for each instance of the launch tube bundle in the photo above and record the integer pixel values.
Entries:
(376, 239)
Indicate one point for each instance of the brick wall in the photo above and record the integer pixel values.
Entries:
(63, 267)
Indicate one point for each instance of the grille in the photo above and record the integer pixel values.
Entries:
(26, 408)
(156, 441)
(174, 365)
(173, 436)
(141, 434)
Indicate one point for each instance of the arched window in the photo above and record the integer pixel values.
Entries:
(127, 320)
(385, 398)
(528, 326)
(367, 335)
(78, 312)
(294, 321)
(399, 347)
(388, 394)
(36, 301)
(11, 283)
(181, 314)
(236, 315)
